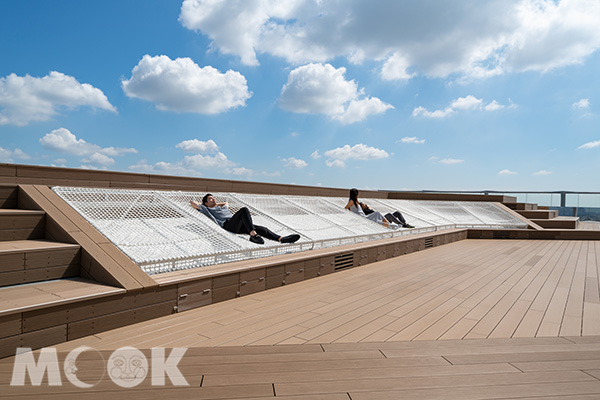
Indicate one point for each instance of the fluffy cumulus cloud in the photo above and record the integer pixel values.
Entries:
(437, 39)
(294, 163)
(590, 145)
(582, 104)
(412, 139)
(181, 85)
(63, 141)
(205, 157)
(507, 172)
(323, 89)
(9, 156)
(467, 103)
(338, 156)
(24, 99)
(198, 146)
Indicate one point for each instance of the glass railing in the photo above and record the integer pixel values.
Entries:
(585, 205)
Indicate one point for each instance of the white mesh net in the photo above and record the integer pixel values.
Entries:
(161, 232)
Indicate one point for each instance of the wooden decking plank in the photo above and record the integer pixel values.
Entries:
(471, 381)
(573, 317)
(324, 375)
(538, 391)
(515, 358)
(591, 305)
(532, 366)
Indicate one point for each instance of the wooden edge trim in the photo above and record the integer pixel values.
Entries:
(529, 223)
(171, 278)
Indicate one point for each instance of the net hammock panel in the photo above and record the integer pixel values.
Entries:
(161, 232)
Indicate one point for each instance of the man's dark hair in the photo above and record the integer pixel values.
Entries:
(205, 198)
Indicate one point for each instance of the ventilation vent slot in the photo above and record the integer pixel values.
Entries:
(344, 261)
(428, 242)
(500, 234)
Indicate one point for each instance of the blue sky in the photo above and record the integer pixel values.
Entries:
(401, 95)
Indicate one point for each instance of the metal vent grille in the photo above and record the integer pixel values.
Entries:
(500, 235)
(428, 242)
(343, 261)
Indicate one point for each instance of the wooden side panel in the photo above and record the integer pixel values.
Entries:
(100, 259)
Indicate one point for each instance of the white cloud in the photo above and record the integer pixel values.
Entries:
(412, 139)
(163, 168)
(335, 163)
(24, 99)
(431, 114)
(99, 158)
(493, 106)
(590, 145)
(315, 154)
(466, 103)
(507, 172)
(322, 89)
(9, 156)
(436, 39)
(218, 161)
(542, 172)
(450, 161)
(63, 141)
(181, 85)
(395, 68)
(294, 163)
(198, 146)
(582, 104)
(241, 171)
(357, 152)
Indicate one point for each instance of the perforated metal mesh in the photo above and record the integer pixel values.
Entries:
(161, 232)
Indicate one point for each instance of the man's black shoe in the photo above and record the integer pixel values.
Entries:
(290, 238)
(257, 239)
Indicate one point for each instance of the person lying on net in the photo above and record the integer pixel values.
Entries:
(362, 209)
(240, 222)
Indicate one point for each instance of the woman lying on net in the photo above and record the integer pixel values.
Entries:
(364, 210)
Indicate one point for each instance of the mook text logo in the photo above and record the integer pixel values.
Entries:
(126, 367)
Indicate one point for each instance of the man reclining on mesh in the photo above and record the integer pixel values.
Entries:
(240, 222)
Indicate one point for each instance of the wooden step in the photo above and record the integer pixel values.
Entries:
(8, 196)
(522, 206)
(22, 224)
(35, 296)
(538, 214)
(25, 261)
(558, 223)
(44, 297)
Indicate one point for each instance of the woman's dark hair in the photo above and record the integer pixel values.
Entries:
(354, 196)
(205, 198)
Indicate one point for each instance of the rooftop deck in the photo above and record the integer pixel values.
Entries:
(469, 320)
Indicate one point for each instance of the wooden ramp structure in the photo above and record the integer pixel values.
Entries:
(464, 313)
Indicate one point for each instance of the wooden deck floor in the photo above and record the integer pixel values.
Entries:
(470, 320)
